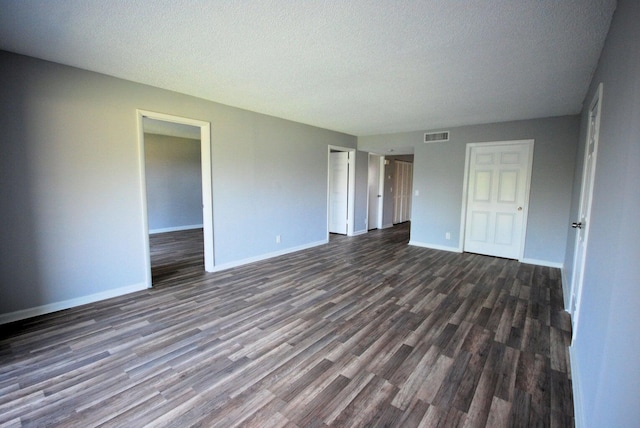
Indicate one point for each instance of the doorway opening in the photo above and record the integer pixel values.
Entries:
(390, 190)
(402, 190)
(160, 124)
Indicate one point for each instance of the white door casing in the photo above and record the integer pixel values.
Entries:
(583, 224)
(338, 192)
(497, 197)
(207, 189)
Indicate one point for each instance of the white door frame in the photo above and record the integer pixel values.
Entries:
(351, 189)
(207, 191)
(465, 191)
(586, 195)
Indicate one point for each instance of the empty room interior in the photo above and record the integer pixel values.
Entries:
(306, 214)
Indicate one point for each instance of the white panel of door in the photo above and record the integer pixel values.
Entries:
(583, 222)
(338, 192)
(496, 198)
(374, 191)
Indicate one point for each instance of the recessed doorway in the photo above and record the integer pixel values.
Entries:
(205, 177)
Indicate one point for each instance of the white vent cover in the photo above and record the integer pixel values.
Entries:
(436, 137)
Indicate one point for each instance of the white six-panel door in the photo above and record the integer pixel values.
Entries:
(375, 192)
(338, 192)
(584, 219)
(497, 198)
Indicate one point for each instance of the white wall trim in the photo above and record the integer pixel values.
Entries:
(578, 410)
(360, 232)
(262, 257)
(386, 226)
(542, 263)
(459, 250)
(435, 247)
(71, 303)
(175, 228)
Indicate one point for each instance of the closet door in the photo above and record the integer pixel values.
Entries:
(403, 184)
(408, 190)
(338, 192)
(397, 192)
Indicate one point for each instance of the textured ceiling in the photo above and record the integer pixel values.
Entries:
(362, 66)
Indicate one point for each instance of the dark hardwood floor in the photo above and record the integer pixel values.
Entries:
(364, 331)
(176, 256)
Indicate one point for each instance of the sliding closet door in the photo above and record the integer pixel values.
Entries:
(403, 185)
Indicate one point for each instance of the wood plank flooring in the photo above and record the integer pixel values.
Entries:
(363, 331)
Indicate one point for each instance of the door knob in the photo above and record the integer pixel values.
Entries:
(519, 208)
(577, 225)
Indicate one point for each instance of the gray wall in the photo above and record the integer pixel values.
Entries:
(438, 173)
(71, 193)
(173, 175)
(605, 353)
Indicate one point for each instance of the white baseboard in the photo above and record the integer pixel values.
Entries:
(542, 263)
(435, 247)
(386, 226)
(242, 262)
(175, 228)
(66, 304)
(459, 250)
(359, 232)
(578, 410)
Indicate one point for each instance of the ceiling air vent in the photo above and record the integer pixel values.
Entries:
(436, 137)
